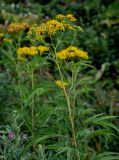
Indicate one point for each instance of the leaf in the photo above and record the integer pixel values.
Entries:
(40, 138)
(102, 121)
(107, 156)
(86, 134)
(64, 149)
(44, 115)
(98, 118)
(38, 91)
(84, 111)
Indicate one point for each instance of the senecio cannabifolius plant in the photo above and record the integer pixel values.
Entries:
(57, 125)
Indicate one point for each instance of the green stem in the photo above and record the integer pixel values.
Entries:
(74, 77)
(69, 111)
(32, 101)
(67, 99)
(73, 38)
(19, 84)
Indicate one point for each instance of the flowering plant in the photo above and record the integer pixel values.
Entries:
(52, 83)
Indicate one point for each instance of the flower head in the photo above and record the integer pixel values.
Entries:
(23, 52)
(38, 32)
(42, 49)
(50, 27)
(68, 17)
(71, 52)
(82, 54)
(11, 135)
(53, 26)
(60, 16)
(62, 54)
(27, 51)
(16, 27)
(61, 84)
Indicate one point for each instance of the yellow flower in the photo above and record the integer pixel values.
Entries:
(60, 16)
(82, 54)
(50, 27)
(62, 54)
(71, 52)
(32, 51)
(61, 84)
(53, 26)
(16, 27)
(70, 17)
(40, 31)
(22, 51)
(68, 26)
(42, 49)
(27, 51)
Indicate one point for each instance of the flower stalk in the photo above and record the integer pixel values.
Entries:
(32, 101)
(74, 141)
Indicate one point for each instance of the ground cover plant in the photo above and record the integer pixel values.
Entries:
(47, 88)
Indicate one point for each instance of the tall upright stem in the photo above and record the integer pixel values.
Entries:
(69, 111)
(19, 84)
(32, 101)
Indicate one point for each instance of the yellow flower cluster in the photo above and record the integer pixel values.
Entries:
(50, 27)
(22, 52)
(71, 52)
(68, 26)
(38, 32)
(42, 49)
(61, 84)
(69, 17)
(27, 51)
(53, 25)
(16, 27)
